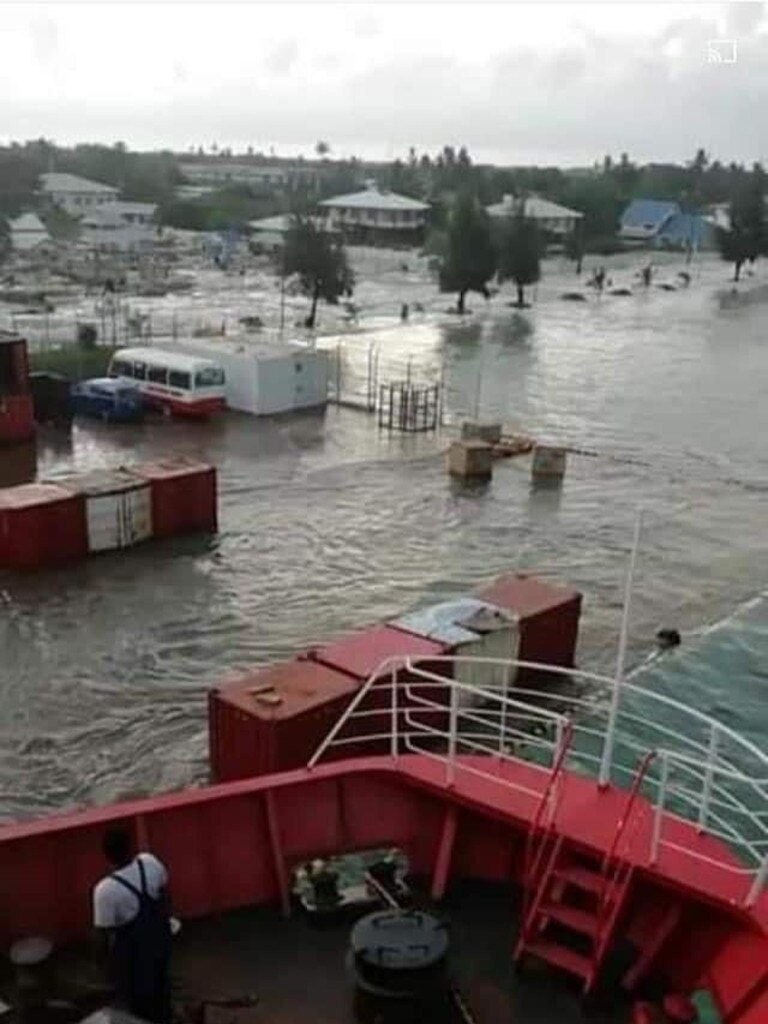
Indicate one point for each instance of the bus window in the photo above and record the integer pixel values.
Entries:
(121, 368)
(157, 374)
(178, 379)
(140, 371)
(211, 377)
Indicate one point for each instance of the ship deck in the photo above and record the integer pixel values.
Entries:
(295, 969)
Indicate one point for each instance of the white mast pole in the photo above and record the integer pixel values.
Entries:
(613, 711)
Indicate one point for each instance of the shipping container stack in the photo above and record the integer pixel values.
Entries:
(276, 717)
(41, 525)
(78, 514)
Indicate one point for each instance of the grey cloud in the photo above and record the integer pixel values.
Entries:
(45, 38)
(366, 27)
(598, 95)
(743, 18)
(282, 57)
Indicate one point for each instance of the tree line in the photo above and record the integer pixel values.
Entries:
(600, 193)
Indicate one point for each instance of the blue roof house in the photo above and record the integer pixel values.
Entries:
(643, 219)
(684, 229)
(663, 224)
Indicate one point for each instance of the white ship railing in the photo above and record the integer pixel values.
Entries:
(704, 771)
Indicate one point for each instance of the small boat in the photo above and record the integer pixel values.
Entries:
(107, 399)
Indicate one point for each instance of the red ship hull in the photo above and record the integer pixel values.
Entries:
(470, 828)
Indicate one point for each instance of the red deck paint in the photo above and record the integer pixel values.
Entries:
(48, 867)
(548, 616)
(248, 736)
(40, 525)
(183, 496)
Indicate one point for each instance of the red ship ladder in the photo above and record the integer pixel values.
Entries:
(587, 901)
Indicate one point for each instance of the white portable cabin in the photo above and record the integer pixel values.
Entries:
(265, 379)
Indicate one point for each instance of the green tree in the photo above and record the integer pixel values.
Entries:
(5, 240)
(320, 263)
(574, 245)
(322, 148)
(747, 237)
(470, 259)
(520, 249)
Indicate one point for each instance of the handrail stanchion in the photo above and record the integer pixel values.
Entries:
(709, 773)
(761, 877)
(613, 712)
(452, 729)
(503, 715)
(656, 838)
(394, 738)
(559, 740)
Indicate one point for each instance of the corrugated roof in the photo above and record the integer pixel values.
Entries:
(683, 228)
(536, 207)
(28, 222)
(446, 622)
(280, 223)
(647, 214)
(373, 199)
(60, 182)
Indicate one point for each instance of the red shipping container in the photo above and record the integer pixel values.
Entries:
(183, 495)
(41, 525)
(17, 421)
(17, 418)
(548, 617)
(274, 718)
(361, 654)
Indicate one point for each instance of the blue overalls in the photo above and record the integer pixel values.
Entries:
(140, 956)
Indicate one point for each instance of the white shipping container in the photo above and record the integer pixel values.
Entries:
(264, 379)
(118, 507)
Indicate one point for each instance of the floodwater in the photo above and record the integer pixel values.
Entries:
(327, 524)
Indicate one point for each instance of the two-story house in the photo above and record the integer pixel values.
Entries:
(373, 215)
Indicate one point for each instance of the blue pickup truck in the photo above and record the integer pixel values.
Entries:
(108, 399)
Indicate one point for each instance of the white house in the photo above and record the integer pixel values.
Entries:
(204, 175)
(120, 227)
(269, 232)
(551, 217)
(27, 232)
(373, 215)
(74, 194)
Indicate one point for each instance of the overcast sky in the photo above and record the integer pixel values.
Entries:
(516, 83)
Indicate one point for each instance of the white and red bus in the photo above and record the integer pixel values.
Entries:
(175, 382)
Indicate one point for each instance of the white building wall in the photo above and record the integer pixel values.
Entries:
(296, 381)
(265, 383)
(80, 203)
(24, 241)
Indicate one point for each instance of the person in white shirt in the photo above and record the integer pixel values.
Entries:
(131, 908)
